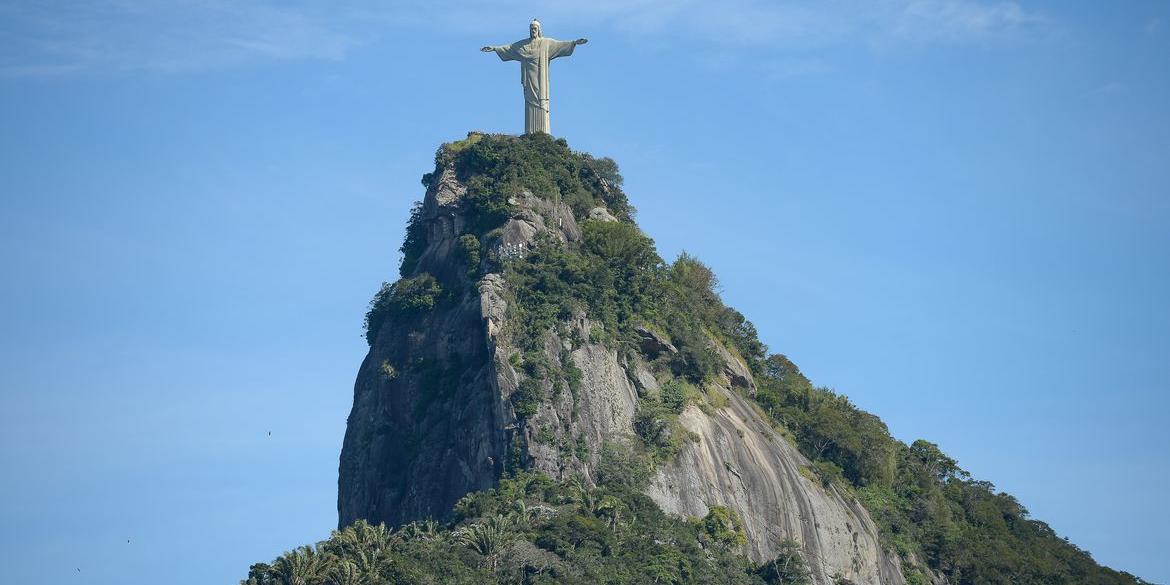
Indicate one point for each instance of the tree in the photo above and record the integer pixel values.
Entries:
(723, 526)
(424, 530)
(361, 537)
(345, 572)
(788, 568)
(623, 466)
(487, 537)
(407, 297)
(300, 566)
(610, 509)
(934, 462)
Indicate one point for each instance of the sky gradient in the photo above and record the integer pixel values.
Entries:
(955, 212)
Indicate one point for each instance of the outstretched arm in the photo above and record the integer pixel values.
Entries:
(563, 48)
(505, 52)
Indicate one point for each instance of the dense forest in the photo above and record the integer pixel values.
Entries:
(532, 529)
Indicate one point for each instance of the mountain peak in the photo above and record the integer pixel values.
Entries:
(539, 375)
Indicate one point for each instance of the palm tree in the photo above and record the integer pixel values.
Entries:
(524, 515)
(582, 493)
(300, 566)
(421, 530)
(610, 508)
(361, 537)
(371, 565)
(345, 573)
(366, 547)
(487, 537)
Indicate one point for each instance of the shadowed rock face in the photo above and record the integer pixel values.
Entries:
(441, 425)
(436, 429)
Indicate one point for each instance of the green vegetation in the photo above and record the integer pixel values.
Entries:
(922, 501)
(415, 241)
(403, 299)
(469, 253)
(532, 530)
(659, 429)
(609, 277)
(787, 568)
(527, 398)
(723, 527)
(616, 277)
(624, 465)
(495, 167)
(657, 422)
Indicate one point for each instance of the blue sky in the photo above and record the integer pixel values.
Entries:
(954, 211)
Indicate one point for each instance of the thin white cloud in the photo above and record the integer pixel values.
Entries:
(46, 38)
(959, 20)
(753, 22)
(67, 36)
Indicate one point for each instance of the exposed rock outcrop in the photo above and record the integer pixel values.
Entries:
(742, 463)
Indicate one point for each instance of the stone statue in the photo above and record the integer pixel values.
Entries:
(534, 53)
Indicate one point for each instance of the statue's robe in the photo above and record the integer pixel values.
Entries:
(534, 55)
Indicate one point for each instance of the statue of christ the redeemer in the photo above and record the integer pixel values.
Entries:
(534, 53)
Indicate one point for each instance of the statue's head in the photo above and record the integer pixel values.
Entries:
(534, 29)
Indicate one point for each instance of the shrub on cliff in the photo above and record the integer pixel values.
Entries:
(496, 167)
(415, 241)
(405, 298)
(724, 527)
(787, 568)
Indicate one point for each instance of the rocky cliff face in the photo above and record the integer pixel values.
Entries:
(742, 463)
(429, 423)
(433, 415)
